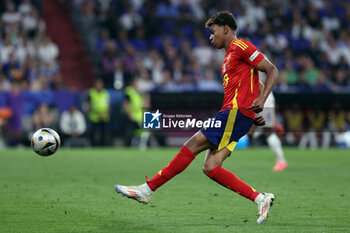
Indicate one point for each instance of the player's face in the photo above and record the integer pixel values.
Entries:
(217, 36)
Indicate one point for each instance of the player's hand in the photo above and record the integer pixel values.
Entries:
(257, 105)
(259, 121)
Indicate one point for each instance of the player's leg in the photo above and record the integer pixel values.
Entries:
(272, 139)
(196, 144)
(213, 169)
(192, 147)
(275, 145)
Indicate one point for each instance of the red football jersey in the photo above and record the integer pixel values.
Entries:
(240, 78)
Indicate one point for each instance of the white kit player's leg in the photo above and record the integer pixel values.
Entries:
(272, 139)
(276, 146)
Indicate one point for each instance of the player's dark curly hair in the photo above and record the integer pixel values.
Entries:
(223, 18)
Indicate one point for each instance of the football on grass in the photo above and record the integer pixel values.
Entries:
(45, 141)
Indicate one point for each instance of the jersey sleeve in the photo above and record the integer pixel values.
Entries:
(249, 53)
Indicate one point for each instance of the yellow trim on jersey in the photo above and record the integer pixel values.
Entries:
(251, 78)
(225, 140)
(234, 101)
(242, 43)
(239, 45)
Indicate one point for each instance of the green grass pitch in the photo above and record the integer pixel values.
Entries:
(73, 191)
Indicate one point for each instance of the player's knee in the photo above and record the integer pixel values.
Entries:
(205, 170)
(207, 167)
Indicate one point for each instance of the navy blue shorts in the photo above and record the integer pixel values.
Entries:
(233, 126)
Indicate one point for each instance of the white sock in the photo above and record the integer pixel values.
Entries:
(146, 189)
(276, 146)
(259, 198)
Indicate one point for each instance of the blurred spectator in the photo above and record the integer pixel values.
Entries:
(25, 51)
(5, 114)
(118, 75)
(88, 22)
(73, 127)
(133, 107)
(134, 103)
(208, 82)
(43, 118)
(330, 22)
(318, 121)
(25, 7)
(30, 23)
(282, 84)
(108, 62)
(187, 83)
(10, 17)
(130, 19)
(99, 114)
(6, 49)
(337, 122)
(166, 10)
(311, 73)
(294, 123)
(177, 70)
(156, 64)
(16, 103)
(12, 68)
(323, 84)
(168, 85)
(203, 53)
(5, 84)
(49, 71)
(130, 58)
(47, 50)
(311, 126)
(145, 84)
(337, 118)
(103, 40)
(340, 79)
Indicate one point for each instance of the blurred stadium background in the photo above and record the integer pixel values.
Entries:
(155, 55)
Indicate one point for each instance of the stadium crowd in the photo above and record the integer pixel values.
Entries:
(161, 46)
(28, 57)
(163, 42)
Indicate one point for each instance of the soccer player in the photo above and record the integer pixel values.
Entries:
(241, 101)
(272, 139)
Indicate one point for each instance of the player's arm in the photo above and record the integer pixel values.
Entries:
(271, 78)
(259, 120)
(253, 57)
(261, 88)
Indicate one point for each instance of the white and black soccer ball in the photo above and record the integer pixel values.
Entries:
(45, 141)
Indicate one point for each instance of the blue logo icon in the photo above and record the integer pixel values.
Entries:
(151, 120)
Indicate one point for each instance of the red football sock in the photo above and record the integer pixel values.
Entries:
(176, 166)
(231, 181)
